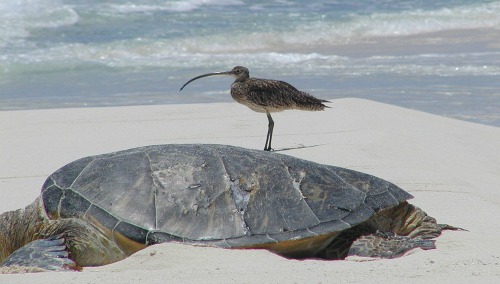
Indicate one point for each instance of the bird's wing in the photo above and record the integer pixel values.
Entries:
(279, 94)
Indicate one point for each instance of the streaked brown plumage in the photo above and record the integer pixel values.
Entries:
(262, 95)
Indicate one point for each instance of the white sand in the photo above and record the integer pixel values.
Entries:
(451, 167)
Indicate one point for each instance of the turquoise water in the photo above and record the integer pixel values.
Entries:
(441, 57)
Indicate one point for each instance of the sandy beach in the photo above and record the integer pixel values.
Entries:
(451, 167)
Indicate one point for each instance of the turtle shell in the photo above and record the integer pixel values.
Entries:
(217, 195)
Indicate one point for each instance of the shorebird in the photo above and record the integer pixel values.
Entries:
(266, 96)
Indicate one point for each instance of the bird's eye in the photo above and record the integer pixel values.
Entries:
(238, 71)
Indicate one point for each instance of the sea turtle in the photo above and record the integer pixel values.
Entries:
(101, 209)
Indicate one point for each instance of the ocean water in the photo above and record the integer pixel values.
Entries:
(437, 56)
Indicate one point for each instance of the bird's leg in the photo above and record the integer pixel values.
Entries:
(270, 128)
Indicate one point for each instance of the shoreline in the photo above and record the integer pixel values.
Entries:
(447, 41)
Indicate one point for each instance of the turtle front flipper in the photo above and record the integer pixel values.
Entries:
(48, 254)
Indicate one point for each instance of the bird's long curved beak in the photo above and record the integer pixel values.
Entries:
(205, 75)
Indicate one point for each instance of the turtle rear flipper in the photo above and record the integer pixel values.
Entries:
(48, 254)
(387, 245)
